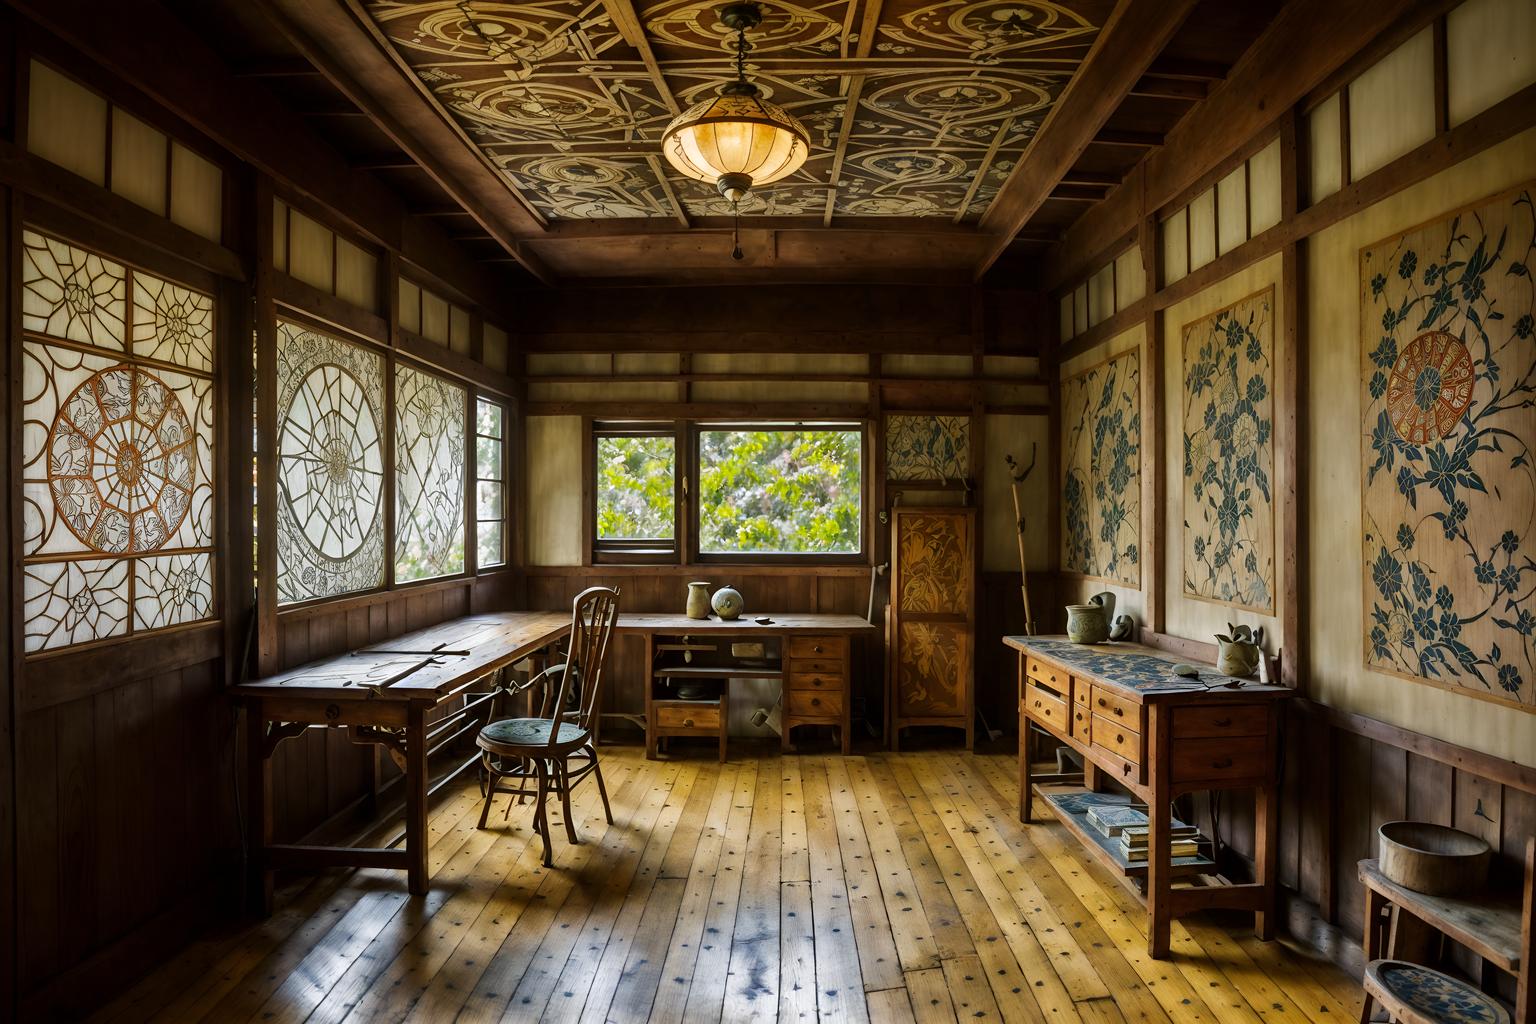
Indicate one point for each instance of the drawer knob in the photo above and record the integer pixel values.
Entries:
(1223, 722)
(815, 702)
(816, 681)
(1125, 769)
(1103, 703)
(1037, 703)
(817, 648)
(1119, 711)
(687, 723)
(1224, 762)
(1119, 737)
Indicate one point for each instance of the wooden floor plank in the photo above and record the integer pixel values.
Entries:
(883, 887)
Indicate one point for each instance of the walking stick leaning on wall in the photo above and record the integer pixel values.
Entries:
(1019, 476)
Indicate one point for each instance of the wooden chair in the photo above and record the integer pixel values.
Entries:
(1414, 994)
(541, 748)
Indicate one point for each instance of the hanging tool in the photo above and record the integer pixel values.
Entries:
(1019, 476)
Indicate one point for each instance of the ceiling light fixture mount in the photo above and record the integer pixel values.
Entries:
(737, 139)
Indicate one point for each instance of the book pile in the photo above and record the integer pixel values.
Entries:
(1110, 819)
(1183, 841)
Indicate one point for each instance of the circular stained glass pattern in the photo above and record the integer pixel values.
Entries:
(120, 461)
(330, 468)
(1430, 387)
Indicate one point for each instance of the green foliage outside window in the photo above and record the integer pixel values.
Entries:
(780, 491)
(635, 495)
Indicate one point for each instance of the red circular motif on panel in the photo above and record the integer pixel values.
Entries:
(1430, 387)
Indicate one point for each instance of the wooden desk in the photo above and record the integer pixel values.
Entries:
(815, 669)
(1120, 706)
(380, 694)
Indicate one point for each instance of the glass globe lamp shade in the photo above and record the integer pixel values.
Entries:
(736, 140)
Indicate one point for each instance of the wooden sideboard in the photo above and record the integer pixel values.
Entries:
(810, 654)
(1157, 735)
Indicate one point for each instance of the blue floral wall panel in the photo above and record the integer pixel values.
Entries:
(1448, 504)
(1229, 455)
(921, 448)
(1101, 467)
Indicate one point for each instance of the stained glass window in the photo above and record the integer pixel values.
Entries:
(490, 485)
(330, 465)
(117, 448)
(429, 476)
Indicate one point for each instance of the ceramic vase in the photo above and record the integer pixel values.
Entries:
(727, 603)
(1089, 623)
(698, 600)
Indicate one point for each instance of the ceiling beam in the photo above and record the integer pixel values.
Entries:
(981, 170)
(867, 27)
(1079, 193)
(141, 42)
(1158, 87)
(1091, 178)
(1307, 42)
(1193, 70)
(353, 61)
(1128, 43)
(628, 22)
(1120, 137)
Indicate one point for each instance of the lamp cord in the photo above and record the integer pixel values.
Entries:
(736, 252)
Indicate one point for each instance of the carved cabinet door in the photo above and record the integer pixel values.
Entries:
(933, 617)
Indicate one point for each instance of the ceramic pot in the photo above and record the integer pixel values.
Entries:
(698, 600)
(727, 603)
(1235, 658)
(1089, 623)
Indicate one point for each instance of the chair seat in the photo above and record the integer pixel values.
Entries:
(1430, 995)
(529, 732)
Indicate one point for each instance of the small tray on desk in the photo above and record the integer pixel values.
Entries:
(1066, 803)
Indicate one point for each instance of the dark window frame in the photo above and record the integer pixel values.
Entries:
(473, 514)
(638, 551)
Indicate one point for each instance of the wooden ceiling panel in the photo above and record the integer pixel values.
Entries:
(568, 98)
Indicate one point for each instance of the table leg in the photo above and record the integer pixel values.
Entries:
(1159, 863)
(1026, 798)
(258, 808)
(1375, 903)
(1266, 826)
(416, 799)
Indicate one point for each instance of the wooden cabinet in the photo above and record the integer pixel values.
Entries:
(816, 685)
(932, 621)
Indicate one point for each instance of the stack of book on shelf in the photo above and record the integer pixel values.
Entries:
(1111, 819)
(1183, 840)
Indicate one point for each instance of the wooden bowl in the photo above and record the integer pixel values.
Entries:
(1433, 859)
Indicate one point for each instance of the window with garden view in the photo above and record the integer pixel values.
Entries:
(762, 491)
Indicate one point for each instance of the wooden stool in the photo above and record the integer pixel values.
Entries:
(1418, 995)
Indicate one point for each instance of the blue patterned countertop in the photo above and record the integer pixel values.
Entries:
(1137, 667)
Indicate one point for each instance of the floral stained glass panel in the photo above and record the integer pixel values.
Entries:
(1229, 421)
(927, 447)
(330, 459)
(1101, 466)
(1448, 395)
(429, 476)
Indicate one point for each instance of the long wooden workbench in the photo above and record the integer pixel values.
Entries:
(1158, 735)
(381, 695)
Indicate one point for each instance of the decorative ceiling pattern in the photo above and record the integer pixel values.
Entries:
(568, 98)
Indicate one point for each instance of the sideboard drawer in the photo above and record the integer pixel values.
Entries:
(810, 704)
(1221, 720)
(1081, 691)
(1111, 734)
(815, 681)
(1056, 678)
(818, 647)
(1082, 723)
(823, 666)
(705, 717)
(1211, 760)
(1116, 708)
(1044, 706)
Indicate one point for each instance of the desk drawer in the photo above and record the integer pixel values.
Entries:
(1126, 713)
(826, 667)
(1082, 723)
(1111, 734)
(1221, 720)
(1057, 679)
(809, 704)
(818, 647)
(705, 717)
(1044, 706)
(815, 680)
(1212, 760)
(1080, 695)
